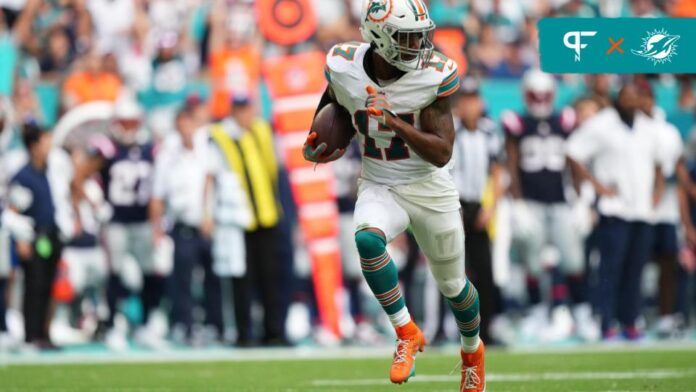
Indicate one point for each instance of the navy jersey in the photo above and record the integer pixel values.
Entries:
(127, 180)
(542, 159)
(40, 206)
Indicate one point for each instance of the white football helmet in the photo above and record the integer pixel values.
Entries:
(539, 93)
(126, 126)
(401, 31)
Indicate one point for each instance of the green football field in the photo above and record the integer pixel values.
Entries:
(590, 370)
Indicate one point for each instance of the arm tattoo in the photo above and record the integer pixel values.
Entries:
(437, 118)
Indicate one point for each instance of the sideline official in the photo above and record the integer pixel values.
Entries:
(30, 195)
(623, 147)
(243, 144)
(178, 188)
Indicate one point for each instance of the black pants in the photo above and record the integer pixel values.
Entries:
(191, 249)
(624, 249)
(39, 273)
(262, 277)
(479, 265)
(3, 305)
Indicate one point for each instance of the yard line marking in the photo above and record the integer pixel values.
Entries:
(525, 377)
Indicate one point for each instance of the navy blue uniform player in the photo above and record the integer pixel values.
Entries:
(542, 215)
(127, 180)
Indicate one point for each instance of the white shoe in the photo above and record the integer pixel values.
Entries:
(502, 330)
(534, 323)
(116, 340)
(561, 326)
(7, 342)
(586, 325)
(326, 338)
(149, 338)
(365, 333)
(297, 324)
(666, 327)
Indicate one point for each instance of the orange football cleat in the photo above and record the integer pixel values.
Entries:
(473, 371)
(410, 340)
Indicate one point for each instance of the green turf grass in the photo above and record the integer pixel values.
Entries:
(636, 370)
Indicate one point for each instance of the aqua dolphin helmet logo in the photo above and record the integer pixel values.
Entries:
(379, 10)
(658, 46)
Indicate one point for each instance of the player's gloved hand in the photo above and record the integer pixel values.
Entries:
(313, 152)
(378, 105)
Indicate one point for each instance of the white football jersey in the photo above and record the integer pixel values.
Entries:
(386, 157)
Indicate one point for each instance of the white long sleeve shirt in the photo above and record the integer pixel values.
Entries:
(622, 158)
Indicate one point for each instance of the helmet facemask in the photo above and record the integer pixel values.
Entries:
(411, 50)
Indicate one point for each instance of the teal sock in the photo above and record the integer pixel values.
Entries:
(382, 275)
(465, 307)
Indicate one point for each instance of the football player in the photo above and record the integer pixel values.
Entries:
(535, 147)
(127, 180)
(396, 88)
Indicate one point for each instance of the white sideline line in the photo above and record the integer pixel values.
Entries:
(295, 354)
(524, 377)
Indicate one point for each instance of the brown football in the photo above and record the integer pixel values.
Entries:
(334, 127)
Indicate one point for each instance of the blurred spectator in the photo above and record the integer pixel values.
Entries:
(58, 55)
(625, 157)
(585, 108)
(92, 82)
(169, 72)
(488, 53)
(644, 9)
(113, 21)
(514, 64)
(577, 9)
(235, 58)
(600, 86)
(478, 176)
(5, 245)
(244, 144)
(40, 17)
(30, 195)
(505, 16)
(168, 85)
(686, 295)
(449, 12)
(666, 213)
(178, 191)
(334, 22)
(25, 104)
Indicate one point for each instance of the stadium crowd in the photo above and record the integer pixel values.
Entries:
(169, 217)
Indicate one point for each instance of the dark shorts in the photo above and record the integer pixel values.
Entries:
(665, 239)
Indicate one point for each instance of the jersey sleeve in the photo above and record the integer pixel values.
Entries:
(512, 124)
(339, 58)
(450, 83)
(586, 141)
